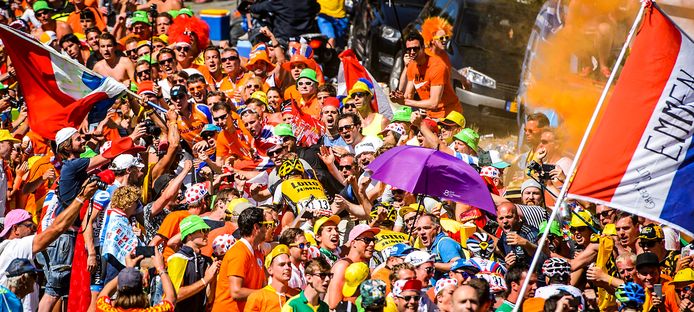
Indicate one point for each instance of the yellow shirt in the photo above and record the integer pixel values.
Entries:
(333, 8)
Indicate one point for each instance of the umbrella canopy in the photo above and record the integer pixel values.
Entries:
(426, 171)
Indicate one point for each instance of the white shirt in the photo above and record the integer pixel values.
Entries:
(298, 280)
(19, 248)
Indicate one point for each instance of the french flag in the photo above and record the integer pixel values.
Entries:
(640, 156)
(58, 91)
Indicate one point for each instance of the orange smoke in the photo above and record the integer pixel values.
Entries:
(563, 76)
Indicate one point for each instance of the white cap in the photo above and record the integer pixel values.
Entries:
(125, 161)
(368, 145)
(64, 134)
(419, 257)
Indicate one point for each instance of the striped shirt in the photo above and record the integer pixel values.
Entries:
(533, 215)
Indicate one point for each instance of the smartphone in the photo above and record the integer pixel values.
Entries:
(146, 251)
(658, 290)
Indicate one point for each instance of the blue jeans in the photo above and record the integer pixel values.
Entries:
(335, 28)
(57, 264)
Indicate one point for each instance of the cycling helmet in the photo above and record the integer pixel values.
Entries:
(556, 267)
(630, 294)
(290, 166)
(480, 245)
(392, 214)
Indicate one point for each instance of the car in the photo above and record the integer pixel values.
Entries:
(376, 31)
(487, 46)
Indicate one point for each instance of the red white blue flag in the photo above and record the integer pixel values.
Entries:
(640, 157)
(58, 93)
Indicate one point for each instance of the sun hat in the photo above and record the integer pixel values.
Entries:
(454, 119)
(579, 219)
(443, 283)
(192, 224)
(283, 129)
(402, 114)
(12, 218)
(360, 86)
(237, 205)
(260, 96)
(308, 74)
(395, 127)
(469, 137)
(355, 274)
(222, 243)
(6, 136)
(260, 56)
(554, 228)
(685, 275)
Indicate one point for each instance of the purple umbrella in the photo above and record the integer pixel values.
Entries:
(420, 170)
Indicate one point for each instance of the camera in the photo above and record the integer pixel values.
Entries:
(151, 128)
(541, 170)
(99, 183)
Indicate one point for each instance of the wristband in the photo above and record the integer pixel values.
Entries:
(203, 282)
(81, 201)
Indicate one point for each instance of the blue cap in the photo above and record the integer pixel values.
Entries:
(210, 128)
(178, 90)
(400, 250)
(465, 264)
(21, 266)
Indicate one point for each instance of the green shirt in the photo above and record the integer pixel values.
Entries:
(505, 307)
(299, 303)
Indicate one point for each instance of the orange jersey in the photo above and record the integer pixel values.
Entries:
(74, 20)
(190, 127)
(434, 73)
(230, 85)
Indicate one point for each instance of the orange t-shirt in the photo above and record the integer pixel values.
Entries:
(292, 93)
(434, 73)
(238, 261)
(268, 299)
(74, 20)
(229, 143)
(228, 228)
(190, 127)
(312, 107)
(169, 227)
(229, 86)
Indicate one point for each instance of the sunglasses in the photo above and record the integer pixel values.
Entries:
(367, 240)
(579, 229)
(442, 38)
(359, 94)
(28, 224)
(230, 58)
(255, 86)
(409, 298)
(305, 83)
(207, 135)
(131, 52)
(220, 118)
(345, 167)
(465, 274)
(183, 48)
(412, 49)
(269, 223)
(275, 152)
(168, 60)
(430, 270)
(323, 275)
(345, 128)
(301, 245)
(649, 244)
(348, 106)
(685, 288)
(605, 213)
(43, 12)
(142, 73)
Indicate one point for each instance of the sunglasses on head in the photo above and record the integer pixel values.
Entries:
(230, 58)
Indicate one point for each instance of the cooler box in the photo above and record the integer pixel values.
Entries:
(219, 21)
(244, 48)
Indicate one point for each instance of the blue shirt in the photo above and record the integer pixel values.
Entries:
(9, 301)
(337, 141)
(445, 248)
(72, 175)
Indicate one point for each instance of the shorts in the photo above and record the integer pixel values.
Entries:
(57, 264)
(335, 28)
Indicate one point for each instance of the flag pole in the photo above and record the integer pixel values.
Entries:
(579, 151)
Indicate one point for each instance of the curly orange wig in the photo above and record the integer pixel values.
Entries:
(433, 24)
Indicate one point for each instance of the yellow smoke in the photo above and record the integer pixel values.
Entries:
(557, 80)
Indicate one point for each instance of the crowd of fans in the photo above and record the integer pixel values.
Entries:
(237, 183)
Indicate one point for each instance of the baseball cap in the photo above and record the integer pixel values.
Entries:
(577, 216)
(464, 264)
(400, 250)
(411, 208)
(361, 229)
(469, 137)
(20, 266)
(160, 183)
(554, 228)
(125, 161)
(177, 91)
(280, 249)
(129, 278)
(489, 171)
(283, 129)
(497, 161)
(355, 274)
(64, 134)
(647, 259)
(210, 128)
(443, 283)
(402, 114)
(395, 127)
(651, 232)
(260, 96)
(454, 119)
(196, 193)
(148, 58)
(186, 11)
(308, 74)
(139, 19)
(373, 293)
(12, 218)
(41, 5)
(316, 226)
(368, 145)
(685, 275)
(403, 285)
(192, 224)
(419, 257)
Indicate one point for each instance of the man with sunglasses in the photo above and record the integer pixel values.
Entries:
(230, 141)
(318, 278)
(423, 263)
(684, 288)
(191, 118)
(44, 13)
(307, 85)
(407, 295)
(114, 65)
(652, 239)
(298, 255)
(233, 81)
(361, 244)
